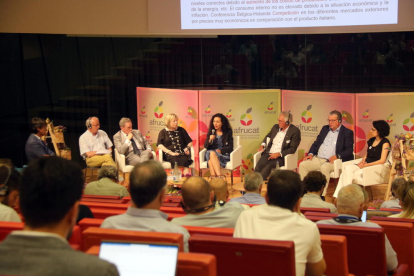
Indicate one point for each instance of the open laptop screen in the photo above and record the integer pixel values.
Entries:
(141, 259)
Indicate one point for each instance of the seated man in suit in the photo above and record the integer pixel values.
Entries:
(95, 145)
(279, 220)
(284, 139)
(9, 193)
(199, 202)
(148, 185)
(131, 143)
(35, 146)
(350, 205)
(49, 200)
(333, 142)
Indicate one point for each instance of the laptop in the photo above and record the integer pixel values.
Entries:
(144, 259)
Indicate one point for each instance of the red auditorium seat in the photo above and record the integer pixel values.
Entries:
(89, 222)
(76, 238)
(7, 227)
(209, 230)
(366, 249)
(316, 218)
(94, 236)
(321, 210)
(319, 214)
(401, 237)
(101, 196)
(268, 257)
(336, 255)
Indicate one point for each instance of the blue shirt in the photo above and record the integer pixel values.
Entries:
(328, 147)
(249, 198)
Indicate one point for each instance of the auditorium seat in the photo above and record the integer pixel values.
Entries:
(336, 255)
(89, 222)
(321, 210)
(392, 219)
(104, 213)
(94, 236)
(102, 200)
(319, 214)
(188, 264)
(75, 239)
(392, 210)
(316, 218)
(366, 249)
(267, 257)
(100, 196)
(101, 205)
(209, 230)
(401, 236)
(7, 227)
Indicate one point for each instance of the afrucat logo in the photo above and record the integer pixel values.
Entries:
(148, 135)
(306, 115)
(390, 119)
(270, 106)
(365, 115)
(158, 112)
(228, 114)
(143, 110)
(246, 119)
(207, 110)
(408, 124)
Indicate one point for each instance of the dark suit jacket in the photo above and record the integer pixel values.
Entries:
(344, 144)
(27, 255)
(227, 141)
(290, 143)
(35, 148)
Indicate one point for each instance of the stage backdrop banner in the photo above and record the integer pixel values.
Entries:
(310, 111)
(395, 108)
(154, 104)
(251, 113)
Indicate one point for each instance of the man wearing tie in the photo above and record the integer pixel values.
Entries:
(131, 143)
(35, 146)
(284, 139)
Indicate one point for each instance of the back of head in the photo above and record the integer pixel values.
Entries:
(396, 186)
(314, 181)
(195, 192)
(36, 123)
(284, 189)
(219, 187)
(109, 172)
(252, 182)
(146, 181)
(350, 199)
(50, 187)
(10, 180)
(406, 196)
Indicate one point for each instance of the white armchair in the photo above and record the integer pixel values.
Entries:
(120, 162)
(167, 165)
(291, 160)
(235, 158)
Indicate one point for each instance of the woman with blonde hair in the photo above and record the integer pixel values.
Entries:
(175, 142)
(406, 196)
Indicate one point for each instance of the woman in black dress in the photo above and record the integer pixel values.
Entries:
(175, 142)
(378, 148)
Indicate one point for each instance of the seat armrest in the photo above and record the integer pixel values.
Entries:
(401, 270)
(256, 158)
(160, 155)
(373, 175)
(236, 157)
(291, 161)
(337, 168)
(201, 155)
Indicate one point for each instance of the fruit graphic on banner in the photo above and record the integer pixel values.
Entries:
(158, 112)
(147, 136)
(207, 110)
(228, 114)
(270, 106)
(365, 115)
(408, 124)
(390, 119)
(246, 119)
(307, 115)
(143, 110)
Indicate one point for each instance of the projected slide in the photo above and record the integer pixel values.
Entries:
(237, 14)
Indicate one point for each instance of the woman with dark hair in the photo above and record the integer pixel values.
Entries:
(219, 143)
(378, 148)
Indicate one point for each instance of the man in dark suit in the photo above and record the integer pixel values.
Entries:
(131, 143)
(284, 139)
(35, 146)
(49, 200)
(333, 142)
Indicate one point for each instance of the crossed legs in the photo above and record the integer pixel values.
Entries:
(214, 164)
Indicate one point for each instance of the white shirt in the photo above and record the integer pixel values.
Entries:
(89, 142)
(278, 141)
(275, 223)
(8, 214)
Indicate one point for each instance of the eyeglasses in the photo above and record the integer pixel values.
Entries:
(331, 121)
(98, 125)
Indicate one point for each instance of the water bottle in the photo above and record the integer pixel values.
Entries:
(176, 173)
(277, 165)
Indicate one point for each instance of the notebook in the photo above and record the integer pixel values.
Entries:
(142, 259)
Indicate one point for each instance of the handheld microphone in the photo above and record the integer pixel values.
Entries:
(212, 133)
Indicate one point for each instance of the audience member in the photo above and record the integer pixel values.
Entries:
(253, 187)
(200, 203)
(49, 201)
(107, 183)
(394, 202)
(405, 193)
(317, 55)
(350, 205)
(297, 57)
(223, 70)
(219, 187)
(383, 52)
(148, 182)
(315, 183)
(9, 193)
(95, 146)
(35, 146)
(280, 221)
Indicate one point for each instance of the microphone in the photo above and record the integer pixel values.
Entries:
(212, 133)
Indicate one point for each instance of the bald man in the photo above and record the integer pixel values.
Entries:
(351, 204)
(200, 204)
